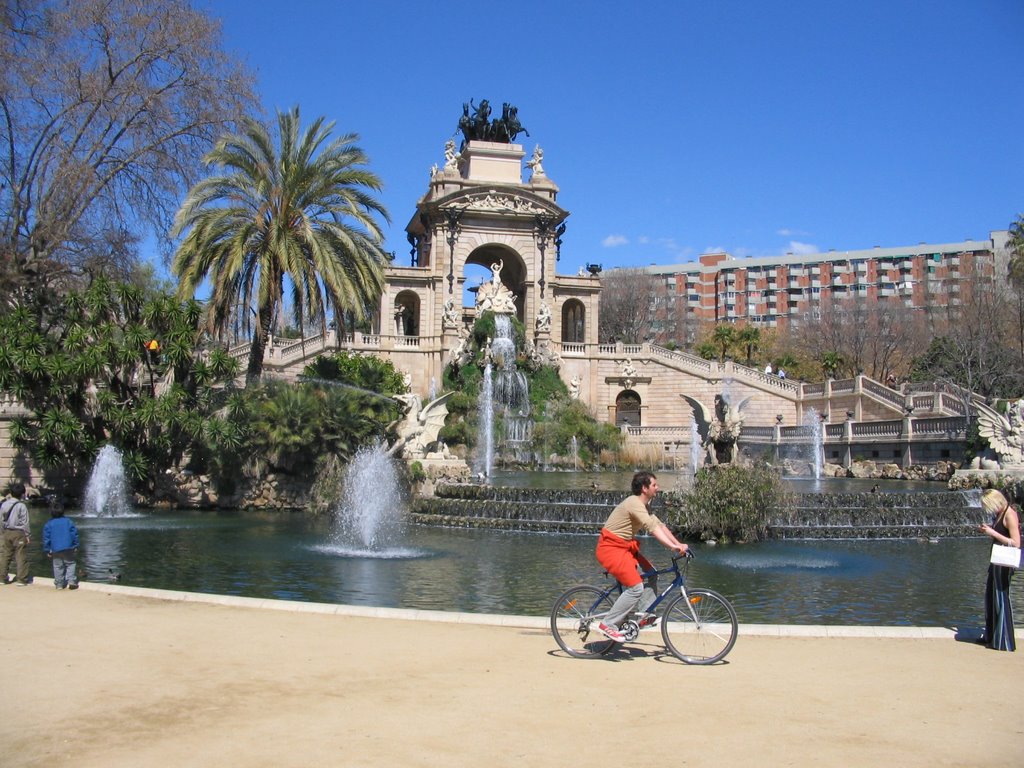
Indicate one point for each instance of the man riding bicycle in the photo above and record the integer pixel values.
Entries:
(619, 551)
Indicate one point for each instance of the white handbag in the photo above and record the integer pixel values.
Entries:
(1008, 557)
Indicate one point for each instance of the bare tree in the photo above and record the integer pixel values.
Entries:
(864, 335)
(106, 107)
(975, 346)
(627, 306)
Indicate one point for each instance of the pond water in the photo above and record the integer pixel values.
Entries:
(290, 556)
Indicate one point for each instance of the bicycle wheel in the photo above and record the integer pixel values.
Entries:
(573, 623)
(701, 630)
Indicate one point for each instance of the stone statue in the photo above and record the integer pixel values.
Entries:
(462, 353)
(450, 317)
(494, 296)
(1005, 435)
(451, 157)
(629, 370)
(418, 428)
(719, 428)
(535, 162)
(544, 318)
(574, 387)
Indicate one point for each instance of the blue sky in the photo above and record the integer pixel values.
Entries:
(676, 127)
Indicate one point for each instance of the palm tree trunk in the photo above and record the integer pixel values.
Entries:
(259, 345)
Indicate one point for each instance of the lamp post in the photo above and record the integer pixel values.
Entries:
(152, 349)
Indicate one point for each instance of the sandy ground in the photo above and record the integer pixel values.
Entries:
(98, 679)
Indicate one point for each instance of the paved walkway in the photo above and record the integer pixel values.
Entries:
(117, 676)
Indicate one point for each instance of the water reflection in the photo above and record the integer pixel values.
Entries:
(283, 556)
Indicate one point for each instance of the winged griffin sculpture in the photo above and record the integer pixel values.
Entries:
(1005, 435)
(418, 428)
(719, 427)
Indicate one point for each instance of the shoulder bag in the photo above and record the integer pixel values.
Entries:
(1008, 557)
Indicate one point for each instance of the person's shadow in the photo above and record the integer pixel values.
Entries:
(969, 635)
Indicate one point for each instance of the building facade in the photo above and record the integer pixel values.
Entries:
(779, 290)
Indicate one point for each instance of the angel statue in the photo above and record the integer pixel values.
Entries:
(1005, 435)
(719, 428)
(417, 429)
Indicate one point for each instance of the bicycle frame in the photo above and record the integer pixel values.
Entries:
(678, 582)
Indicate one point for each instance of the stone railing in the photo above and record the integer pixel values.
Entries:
(683, 360)
(877, 429)
(843, 385)
(943, 425)
(923, 402)
(952, 403)
(882, 392)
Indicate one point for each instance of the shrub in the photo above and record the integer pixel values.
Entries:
(727, 502)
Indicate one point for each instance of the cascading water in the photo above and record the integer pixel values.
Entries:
(484, 465)
(505, 388)
(575, 454)
(370, 519)
(816, 448)
(106, 494)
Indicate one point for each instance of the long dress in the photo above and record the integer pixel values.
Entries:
(998, 611)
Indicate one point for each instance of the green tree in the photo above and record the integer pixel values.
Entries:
(724, 337)
(830, 363)
(81, 367)
(301, 214)
(750, 337)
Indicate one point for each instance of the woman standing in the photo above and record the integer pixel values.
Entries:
(1004, 529)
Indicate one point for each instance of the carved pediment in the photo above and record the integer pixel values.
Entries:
(494, 201)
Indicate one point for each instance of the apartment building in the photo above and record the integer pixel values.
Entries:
(778, 290)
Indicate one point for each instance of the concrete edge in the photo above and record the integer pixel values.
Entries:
(498, 620)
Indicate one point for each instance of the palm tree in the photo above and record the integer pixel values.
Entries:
(303, 212)
(830, 363)
(725, 337)
(750, 337)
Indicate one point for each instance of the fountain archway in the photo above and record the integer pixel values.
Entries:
(513, 271)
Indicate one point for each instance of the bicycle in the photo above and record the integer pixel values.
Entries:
(698, 625)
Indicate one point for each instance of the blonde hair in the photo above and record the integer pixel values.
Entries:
(993, 501)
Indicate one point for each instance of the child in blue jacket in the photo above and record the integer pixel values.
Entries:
(60, 543)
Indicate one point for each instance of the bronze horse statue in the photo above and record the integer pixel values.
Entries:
(480, 127)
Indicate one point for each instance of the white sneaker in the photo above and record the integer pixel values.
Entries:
(611, 633)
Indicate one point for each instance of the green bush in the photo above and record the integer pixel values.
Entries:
(727, 502)
(565, 419)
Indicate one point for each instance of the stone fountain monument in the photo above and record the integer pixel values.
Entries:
(719, 427)
(1002, 462)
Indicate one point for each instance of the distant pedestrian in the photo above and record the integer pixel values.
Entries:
(60, 543)
(782, 373)
(14, 518)
(768, 369)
